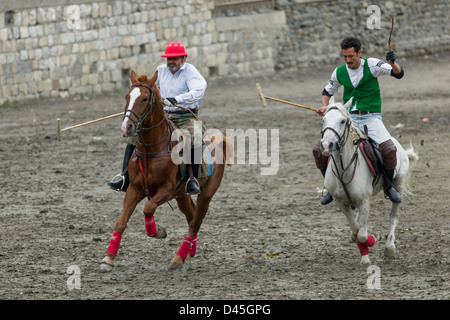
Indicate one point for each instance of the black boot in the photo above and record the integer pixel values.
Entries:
(389, 189)
(121, 184)
(192, 185)
(327, 198)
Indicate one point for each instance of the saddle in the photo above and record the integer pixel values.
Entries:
(206, 168)
(371, 154)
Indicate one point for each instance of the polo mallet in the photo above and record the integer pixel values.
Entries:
(59, 130)
(264, 104)
(390, 35)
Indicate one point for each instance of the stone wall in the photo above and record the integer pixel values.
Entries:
(56, 51)
(317, 27)
(52, 50)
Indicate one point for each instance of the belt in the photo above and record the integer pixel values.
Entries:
(195, 111)
(361, 112)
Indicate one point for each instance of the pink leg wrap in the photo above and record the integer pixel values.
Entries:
(185, 248)
(114, 243)
(150, 226)
(364, 247)
(193, 248)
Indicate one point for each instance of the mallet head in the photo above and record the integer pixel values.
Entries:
(261, 95)
(58, 129)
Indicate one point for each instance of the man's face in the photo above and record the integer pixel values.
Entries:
(351, 57)
(175, 63)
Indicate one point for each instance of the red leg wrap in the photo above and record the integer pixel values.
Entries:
(114, 243)
(150, 226)
(193, 248)
(185, 247)
(364, 247)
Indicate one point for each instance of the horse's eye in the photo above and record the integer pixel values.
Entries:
(343, 121)
(145, 99)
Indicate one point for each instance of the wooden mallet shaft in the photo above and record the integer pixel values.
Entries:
(264, 104)
(59, 130)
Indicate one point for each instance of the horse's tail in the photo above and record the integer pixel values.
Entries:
(227, 147)
(413, 157)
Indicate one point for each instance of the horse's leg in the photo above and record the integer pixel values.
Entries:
(354, 226)
(403, 165)
(208, 190)
(364, 240)
(129, 204)
(363, 219)
(187, 206)
(389, 249)
(164, 194)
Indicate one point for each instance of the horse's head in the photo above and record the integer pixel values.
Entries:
(142, 98)
(336, 124)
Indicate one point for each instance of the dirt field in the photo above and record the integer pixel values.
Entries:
(265, 237)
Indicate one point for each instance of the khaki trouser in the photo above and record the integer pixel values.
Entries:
(190, 126)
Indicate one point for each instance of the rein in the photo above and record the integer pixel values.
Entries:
(353, 161)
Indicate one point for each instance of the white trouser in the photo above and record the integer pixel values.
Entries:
(375, 126)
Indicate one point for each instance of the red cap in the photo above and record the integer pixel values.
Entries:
(174, 49)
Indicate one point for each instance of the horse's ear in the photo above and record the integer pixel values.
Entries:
(348, 104)
(154, 78)
(133, 77)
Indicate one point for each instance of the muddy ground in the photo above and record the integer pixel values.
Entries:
(265, 237)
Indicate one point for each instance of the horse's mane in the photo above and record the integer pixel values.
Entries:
(144, 79)
(344, 111)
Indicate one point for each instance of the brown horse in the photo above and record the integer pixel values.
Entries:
(153, 173)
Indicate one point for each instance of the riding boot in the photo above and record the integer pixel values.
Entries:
(389, 190)
(321, 163)
(327, 198)
(192, 185)
(389, 155)
(122, 183)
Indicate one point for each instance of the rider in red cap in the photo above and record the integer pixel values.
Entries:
(182, 88)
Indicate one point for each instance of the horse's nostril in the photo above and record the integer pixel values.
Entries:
(129, 129)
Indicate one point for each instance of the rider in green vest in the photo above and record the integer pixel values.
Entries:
(359, 77)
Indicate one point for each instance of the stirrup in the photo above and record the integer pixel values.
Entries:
(396, 196)
(326, 199)
(198, 185)
(119, 176)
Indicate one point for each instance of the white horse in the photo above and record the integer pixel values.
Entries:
(350, 181)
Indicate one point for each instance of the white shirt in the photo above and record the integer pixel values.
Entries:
(187, 86)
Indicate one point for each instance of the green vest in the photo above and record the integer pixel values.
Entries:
(366, 93)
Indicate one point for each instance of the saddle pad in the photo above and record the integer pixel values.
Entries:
(205, 169)
(367, 152)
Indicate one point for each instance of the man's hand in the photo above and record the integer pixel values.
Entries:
(170, 102)
(390, 57)
(322, 110)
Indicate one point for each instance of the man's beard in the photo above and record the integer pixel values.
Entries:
(173, 67)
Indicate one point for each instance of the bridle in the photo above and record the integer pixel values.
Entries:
(140, 119)
(148, 110)
(139, 129)
(342, 140)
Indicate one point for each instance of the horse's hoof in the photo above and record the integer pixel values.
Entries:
(365, 262)
(106, 265)
(160, 233)
(176, 263)
(389, 251)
